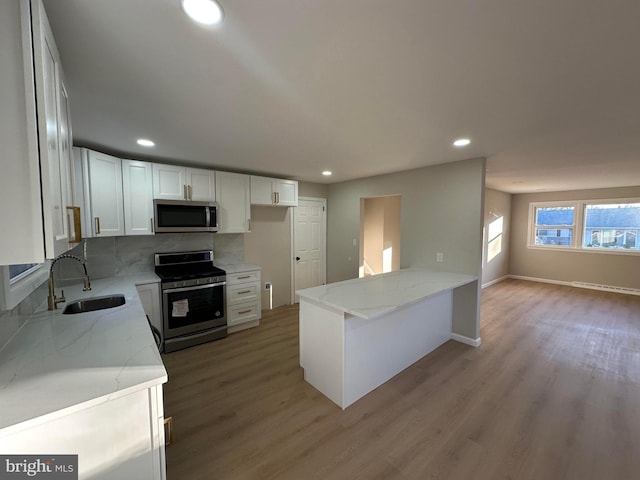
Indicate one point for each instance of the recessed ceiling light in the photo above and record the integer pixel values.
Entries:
(145, 143)
(207, 12)
(327, 173)
(462, 142)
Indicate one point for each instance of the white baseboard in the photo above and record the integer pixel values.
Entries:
(590, 286)
(540, 280)
(493, 282)
(466, 340)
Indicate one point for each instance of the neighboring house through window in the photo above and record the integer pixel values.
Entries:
(598, 225)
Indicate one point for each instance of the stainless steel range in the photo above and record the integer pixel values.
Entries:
(193, 298)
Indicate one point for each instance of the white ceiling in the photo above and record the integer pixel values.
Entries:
(547, 90)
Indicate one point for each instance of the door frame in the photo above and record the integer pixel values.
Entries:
(293, 246)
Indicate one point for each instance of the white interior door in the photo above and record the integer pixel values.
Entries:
(309, 243)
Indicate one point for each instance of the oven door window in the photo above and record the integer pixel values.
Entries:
(192, 306)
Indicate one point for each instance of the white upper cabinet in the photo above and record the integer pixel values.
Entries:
(171, 182)
(35, 134)
(201, 185)
(287, 193)
(54, 130)
(137, 189)
(274, 191)
(233, 197)
(103, 194)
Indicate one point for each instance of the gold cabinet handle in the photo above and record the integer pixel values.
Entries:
(244, 291)
(190, 192)
(97, 223)
(169, 436)
(77, 226)
(244, 276)
(244, 311)
(184, 192)
(277, 197)
(152, 226)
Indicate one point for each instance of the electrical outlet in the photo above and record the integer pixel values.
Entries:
(267, 285)
(439, 257)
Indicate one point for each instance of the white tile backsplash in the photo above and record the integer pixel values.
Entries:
(116, 256)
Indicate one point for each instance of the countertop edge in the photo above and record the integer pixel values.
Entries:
(392, 307)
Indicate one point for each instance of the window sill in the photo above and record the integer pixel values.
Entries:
(605, 251)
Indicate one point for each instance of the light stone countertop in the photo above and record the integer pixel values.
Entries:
(376, 295)
(59, 364)
(237, 267)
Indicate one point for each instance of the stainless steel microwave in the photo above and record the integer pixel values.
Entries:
(185, 216)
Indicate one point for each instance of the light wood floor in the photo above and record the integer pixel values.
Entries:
(552, 393)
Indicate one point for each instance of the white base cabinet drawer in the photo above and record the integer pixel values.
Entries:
(243, 292)
(244, 312)
(244, 305)
(243, 277)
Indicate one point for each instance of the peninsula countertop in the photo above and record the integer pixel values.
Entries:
(57, 364)
(377, 295)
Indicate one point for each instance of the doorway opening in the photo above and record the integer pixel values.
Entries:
(379, 235)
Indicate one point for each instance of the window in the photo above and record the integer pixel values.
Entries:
(611, 226)
(16, 272)
(554, 225)
(17, 282)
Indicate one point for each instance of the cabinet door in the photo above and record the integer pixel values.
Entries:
(105, 194)
(201, 185)
(54, 132)
(261, 191)
(233, 196)
(287, 193)
(169, 182)
(137, 188)
(103, 436)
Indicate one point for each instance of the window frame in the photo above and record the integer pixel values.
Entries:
(575, 227)
(579, 227)
(14, 292)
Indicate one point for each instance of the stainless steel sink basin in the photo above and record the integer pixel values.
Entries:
(94, 303)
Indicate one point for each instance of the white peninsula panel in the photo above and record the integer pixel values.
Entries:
(357, 334)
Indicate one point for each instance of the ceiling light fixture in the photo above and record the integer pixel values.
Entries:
(327, 173)
(206, 12)
(145, 143)
(461, 142)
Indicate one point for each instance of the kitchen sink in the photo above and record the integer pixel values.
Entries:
(94, 303)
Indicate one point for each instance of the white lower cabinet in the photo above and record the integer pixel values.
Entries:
(119, 438)
(244, 305)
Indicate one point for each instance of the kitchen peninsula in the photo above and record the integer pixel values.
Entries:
(357, 334)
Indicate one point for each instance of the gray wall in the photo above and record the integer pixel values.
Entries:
(318, 190)
(495, 262)
(600, 268)
(441, 212)
(269, 246)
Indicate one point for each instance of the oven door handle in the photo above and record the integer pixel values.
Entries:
(198, 287)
